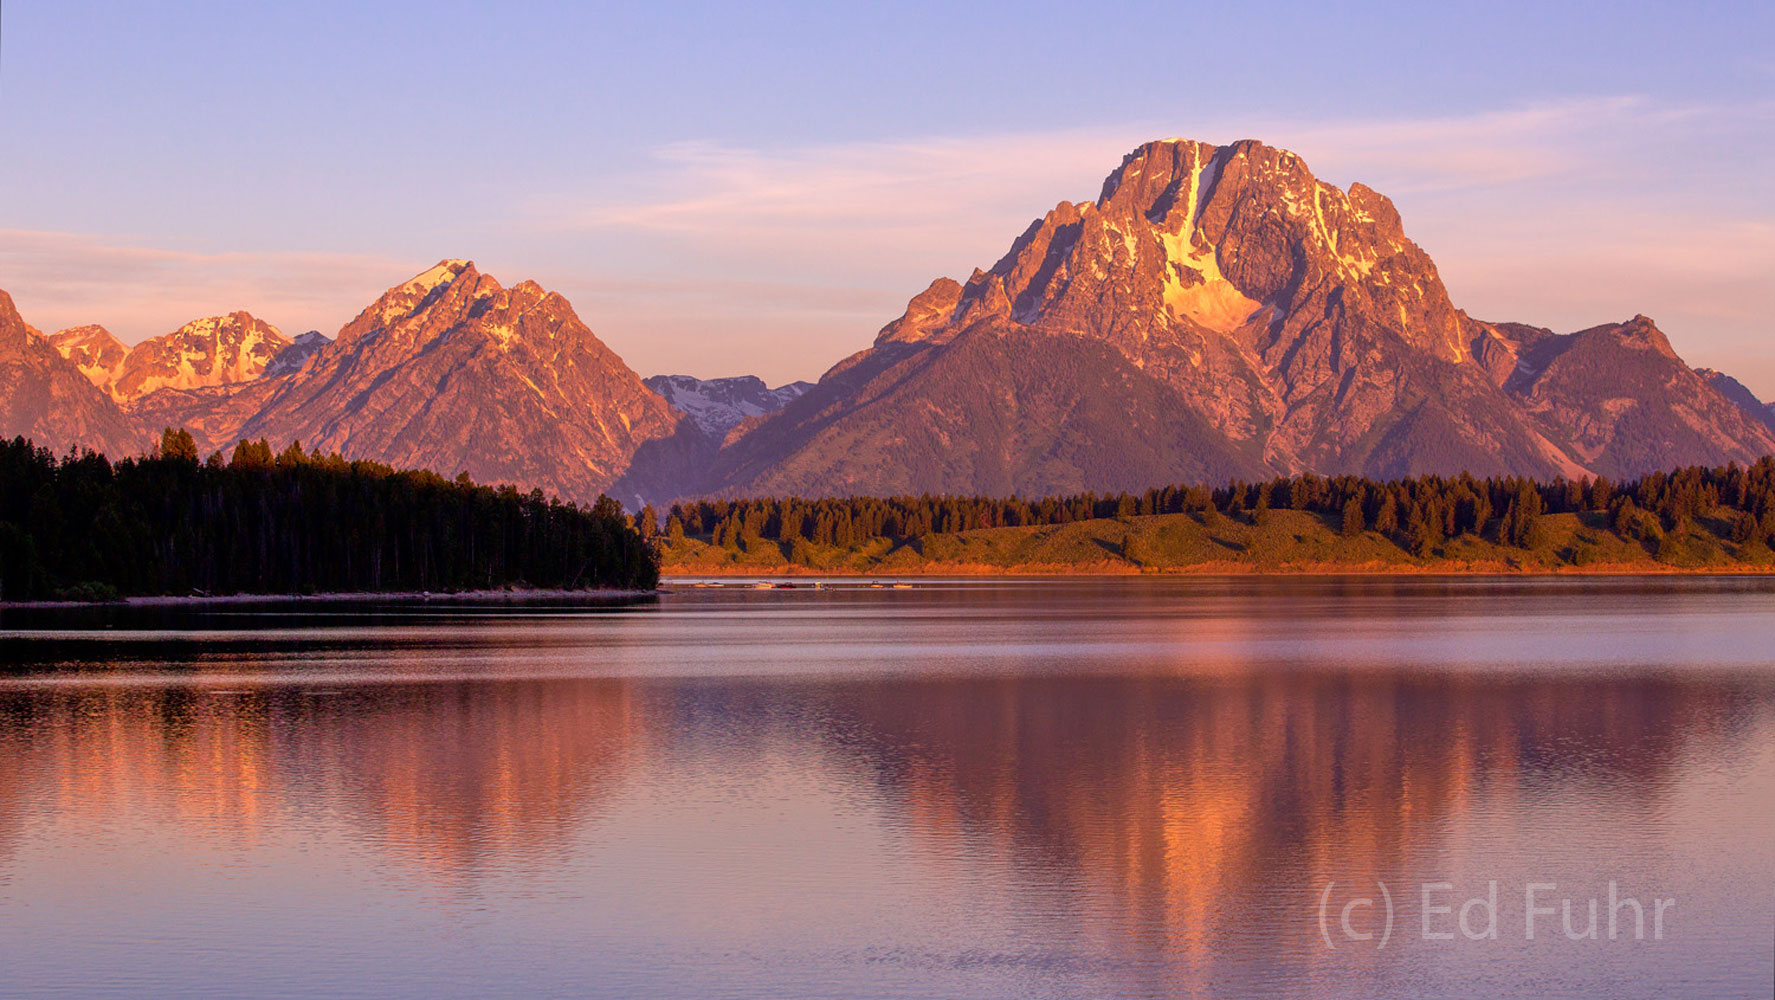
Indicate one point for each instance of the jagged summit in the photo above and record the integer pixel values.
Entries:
(453, 371)
(93, 349)
(717, 405)
(411, 296)
(1216, 311)
(215, 350)
(1279, 323)
(45, 398)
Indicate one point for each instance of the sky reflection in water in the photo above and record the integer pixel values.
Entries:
(1106, 788)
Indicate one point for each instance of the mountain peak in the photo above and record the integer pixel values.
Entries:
(93, 350)
(45, 398)
(717, 405)
(292, 358)
(1642, 333)
(13, 328)
(453, 372)
(446, 279)
(927, 316)
(441, 273)
(214, 350)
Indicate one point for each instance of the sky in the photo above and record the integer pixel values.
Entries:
(725, 189)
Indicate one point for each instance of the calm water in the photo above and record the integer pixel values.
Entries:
(1083, 789)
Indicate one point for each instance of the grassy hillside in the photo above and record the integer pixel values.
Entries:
(1286, 541)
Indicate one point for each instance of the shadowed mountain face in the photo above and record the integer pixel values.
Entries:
(46, 398)
(717, 405)
(1740, 394)
(292, 358)
(1216, 312)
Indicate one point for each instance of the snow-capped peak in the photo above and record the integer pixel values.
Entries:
(441, 273)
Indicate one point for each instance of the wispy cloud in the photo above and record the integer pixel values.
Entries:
(1566, 213)
(713, 192)
(140, 291)
(724, 259)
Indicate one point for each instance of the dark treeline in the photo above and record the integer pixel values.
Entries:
(84, 526)
(1419, 513)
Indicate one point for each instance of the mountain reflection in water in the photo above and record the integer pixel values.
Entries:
(1145, 798)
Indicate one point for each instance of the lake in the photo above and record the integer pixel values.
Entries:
(1313, 787)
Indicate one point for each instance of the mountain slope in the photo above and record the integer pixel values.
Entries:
(1278, 324)
(46, 398)
(452, 372)
(1739, 393)
(1625, 403)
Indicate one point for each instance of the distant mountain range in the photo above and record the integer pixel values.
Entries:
(718, 405)
(1217, 312)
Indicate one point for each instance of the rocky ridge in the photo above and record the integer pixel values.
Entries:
(1248, 319)
(46, 398)
(718, 405)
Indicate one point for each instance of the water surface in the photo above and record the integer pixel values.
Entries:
(1103, 788)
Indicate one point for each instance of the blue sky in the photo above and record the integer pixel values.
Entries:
(727, 188)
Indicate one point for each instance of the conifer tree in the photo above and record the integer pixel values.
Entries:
(1353, 521)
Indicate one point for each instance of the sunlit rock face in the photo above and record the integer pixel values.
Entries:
(49, 400)
(1217, 311)
(449, 371)
(216, 350)
(453, 372)
(94, 351)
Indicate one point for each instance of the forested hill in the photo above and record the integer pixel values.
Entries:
(1697, 518)
(83, 526)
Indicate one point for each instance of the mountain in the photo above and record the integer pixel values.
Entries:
(216, 350)
(1740, 394)
(213, 414)
(452, 372)
(717, 405)
(45, 397)
(94, 351)
(1623, 403)
(1219, 312)
(293, 357)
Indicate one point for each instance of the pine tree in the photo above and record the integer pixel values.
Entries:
(1353, 520)
(1420, 540)
(178, 445)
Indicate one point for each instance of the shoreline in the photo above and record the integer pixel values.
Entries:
(348, 597)
(678, 574)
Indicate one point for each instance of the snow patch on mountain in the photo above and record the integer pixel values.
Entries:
(292, 358)
(215, 350)
(93, 350)
(716, 405)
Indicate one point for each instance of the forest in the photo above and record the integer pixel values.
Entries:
(1659, 516)
(83, 527)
